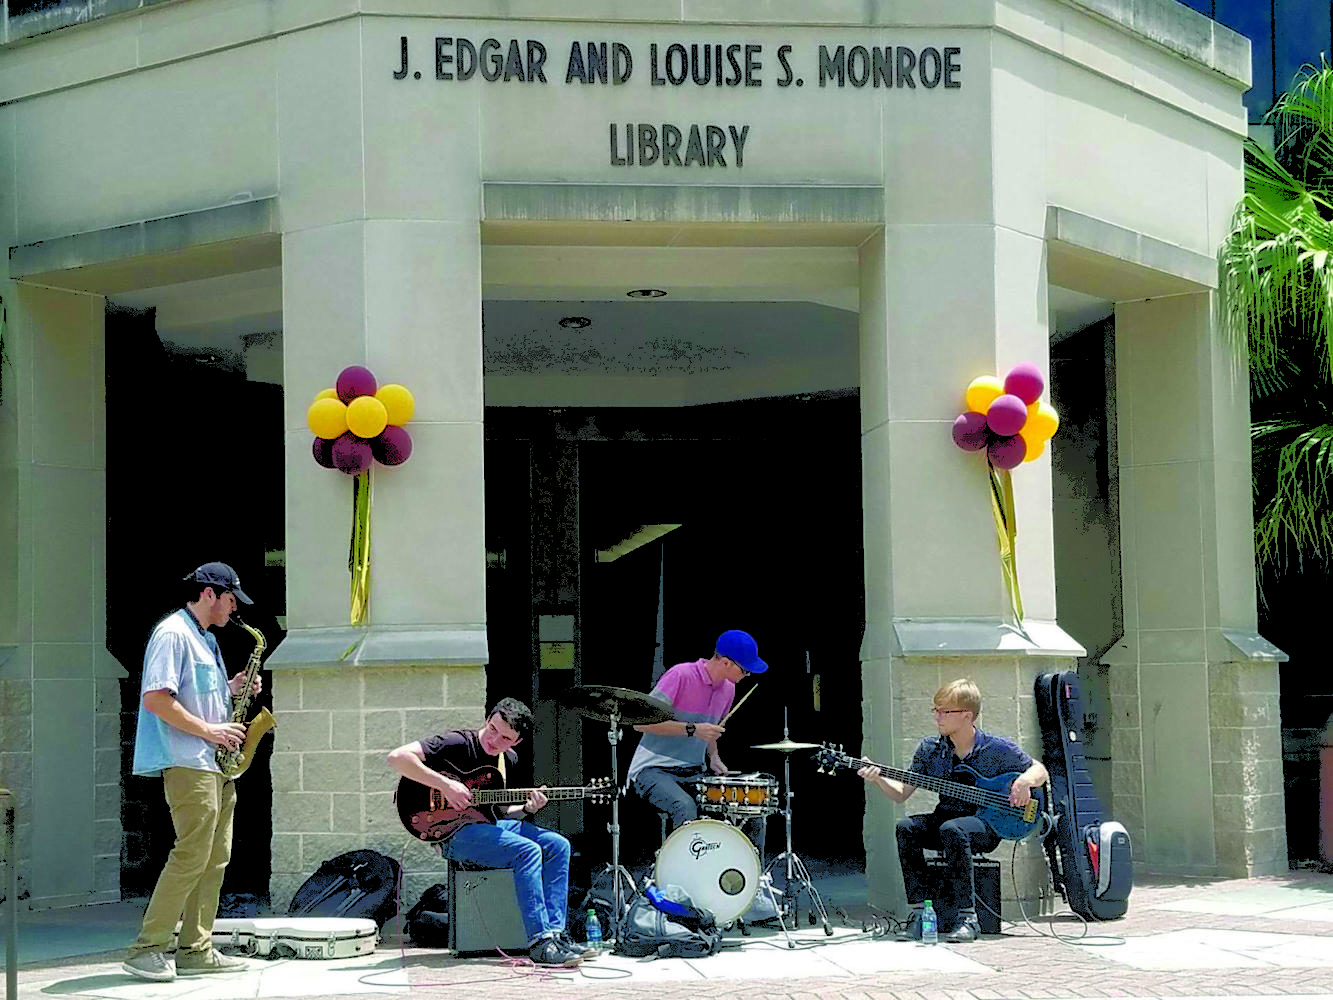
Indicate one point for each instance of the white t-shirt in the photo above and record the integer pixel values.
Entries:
(185, 660)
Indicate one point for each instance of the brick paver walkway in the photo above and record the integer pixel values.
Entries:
(1021, 964)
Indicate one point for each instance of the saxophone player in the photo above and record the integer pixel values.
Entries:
(185, 714)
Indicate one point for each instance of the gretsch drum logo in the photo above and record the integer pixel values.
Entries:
(699, 847)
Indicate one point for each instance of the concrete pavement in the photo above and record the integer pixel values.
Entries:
(1251, 937)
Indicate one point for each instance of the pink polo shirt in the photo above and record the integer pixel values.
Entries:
(696, 699)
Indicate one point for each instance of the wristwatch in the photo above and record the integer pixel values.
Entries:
(689, 729)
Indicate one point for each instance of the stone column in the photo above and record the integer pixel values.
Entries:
(935, 604)
(1197, 752)
(381, 267)
(59, 687)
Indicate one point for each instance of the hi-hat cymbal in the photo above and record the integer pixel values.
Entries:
(786, 746)
(601, 701)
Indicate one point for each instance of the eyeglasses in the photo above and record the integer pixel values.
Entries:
(949, 711)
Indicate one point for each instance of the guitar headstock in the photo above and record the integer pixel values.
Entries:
(600, 790)
(830, 757)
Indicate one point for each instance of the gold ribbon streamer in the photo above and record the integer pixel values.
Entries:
(1002, 506)
(358, 558)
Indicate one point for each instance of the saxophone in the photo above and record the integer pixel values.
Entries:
(233, 763)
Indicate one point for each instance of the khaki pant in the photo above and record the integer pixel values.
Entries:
(202, 804)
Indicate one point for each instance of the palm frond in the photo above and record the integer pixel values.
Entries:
(1298, 517)
(1276, 265)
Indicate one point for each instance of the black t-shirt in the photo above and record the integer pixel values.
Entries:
(461, 750)
(458, 752)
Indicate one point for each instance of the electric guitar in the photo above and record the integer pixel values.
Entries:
(989, 795)
(426, 815)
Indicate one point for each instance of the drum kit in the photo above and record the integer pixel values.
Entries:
(710, 858)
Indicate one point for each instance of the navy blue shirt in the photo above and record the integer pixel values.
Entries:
(990, 756)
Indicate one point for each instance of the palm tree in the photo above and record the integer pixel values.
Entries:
(1276, 304)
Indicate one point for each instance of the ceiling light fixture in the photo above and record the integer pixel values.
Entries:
(575, 322)
(646, 293)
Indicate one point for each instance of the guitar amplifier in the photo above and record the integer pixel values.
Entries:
(986, 884)
(483, 911)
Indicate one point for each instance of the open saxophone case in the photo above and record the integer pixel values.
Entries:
(1091, 858)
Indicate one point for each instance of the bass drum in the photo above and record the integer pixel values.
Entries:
(715, 863)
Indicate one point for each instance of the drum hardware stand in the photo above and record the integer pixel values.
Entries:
(615, 867)
(798, 876)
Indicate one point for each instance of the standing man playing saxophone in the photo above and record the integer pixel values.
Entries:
(184, 715)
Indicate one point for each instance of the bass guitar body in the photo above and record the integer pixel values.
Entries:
(427, 816)
(1008, 823)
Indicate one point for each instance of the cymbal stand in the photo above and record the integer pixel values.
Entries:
(798, 875)
(618, 870)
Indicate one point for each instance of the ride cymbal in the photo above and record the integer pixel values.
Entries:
(601, 701)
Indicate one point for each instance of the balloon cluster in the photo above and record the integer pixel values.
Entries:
(358, 421)
(1007, 419)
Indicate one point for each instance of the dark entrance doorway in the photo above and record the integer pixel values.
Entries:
(767, 498)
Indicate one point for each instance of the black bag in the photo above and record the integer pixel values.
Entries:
(649, 931)
(356, 884)
(428, 920)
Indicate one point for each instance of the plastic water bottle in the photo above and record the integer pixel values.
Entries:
(930, 925)
(594, 931)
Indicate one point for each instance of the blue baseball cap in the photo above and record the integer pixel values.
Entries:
(741, 647)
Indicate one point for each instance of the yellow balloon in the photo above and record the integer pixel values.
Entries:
(982, 391)
(327, 418)
(398, 402)
(366, 417)
(1035, 446)
(1043, 421)
(326, 394)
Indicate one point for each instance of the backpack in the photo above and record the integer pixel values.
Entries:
(649, 931)
(428, 920)
(356, 884)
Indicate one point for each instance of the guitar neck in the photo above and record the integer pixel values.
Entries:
(941, 786)
(513, 796)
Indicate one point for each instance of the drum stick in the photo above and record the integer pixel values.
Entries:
(736, 707)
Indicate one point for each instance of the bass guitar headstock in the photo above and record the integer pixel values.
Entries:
(830, 757)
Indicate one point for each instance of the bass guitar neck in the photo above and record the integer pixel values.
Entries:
(989, 796)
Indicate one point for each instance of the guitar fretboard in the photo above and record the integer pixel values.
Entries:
(513, 796)
(941, 786)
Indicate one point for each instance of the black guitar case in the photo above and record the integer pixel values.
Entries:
(1091, 858)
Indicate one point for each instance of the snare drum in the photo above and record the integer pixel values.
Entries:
(735, 795)
(715, 863)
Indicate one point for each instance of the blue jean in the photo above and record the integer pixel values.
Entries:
(539, 859)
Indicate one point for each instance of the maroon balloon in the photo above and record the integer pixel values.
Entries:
(351, 454)
(1007, 452)
(1025, 382)
(969, 431)
(1007, 415)
(393, 446)
(355, 381)
(322, 449)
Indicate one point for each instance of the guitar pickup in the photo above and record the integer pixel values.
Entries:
(1030, 811)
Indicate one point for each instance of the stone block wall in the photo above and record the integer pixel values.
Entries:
(1248, 801)
(332, 786)
(106, 788)
(16, 767)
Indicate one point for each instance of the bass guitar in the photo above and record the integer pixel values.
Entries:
(989, 795)
(427, 816)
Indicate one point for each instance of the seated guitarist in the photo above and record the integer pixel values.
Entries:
(952, 828)
(539, 857)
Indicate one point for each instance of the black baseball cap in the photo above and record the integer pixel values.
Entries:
(220, 576)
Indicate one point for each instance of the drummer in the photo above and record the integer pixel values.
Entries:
(674, 755)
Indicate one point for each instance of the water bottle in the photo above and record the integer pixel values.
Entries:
(930, 925)
(594, 931)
